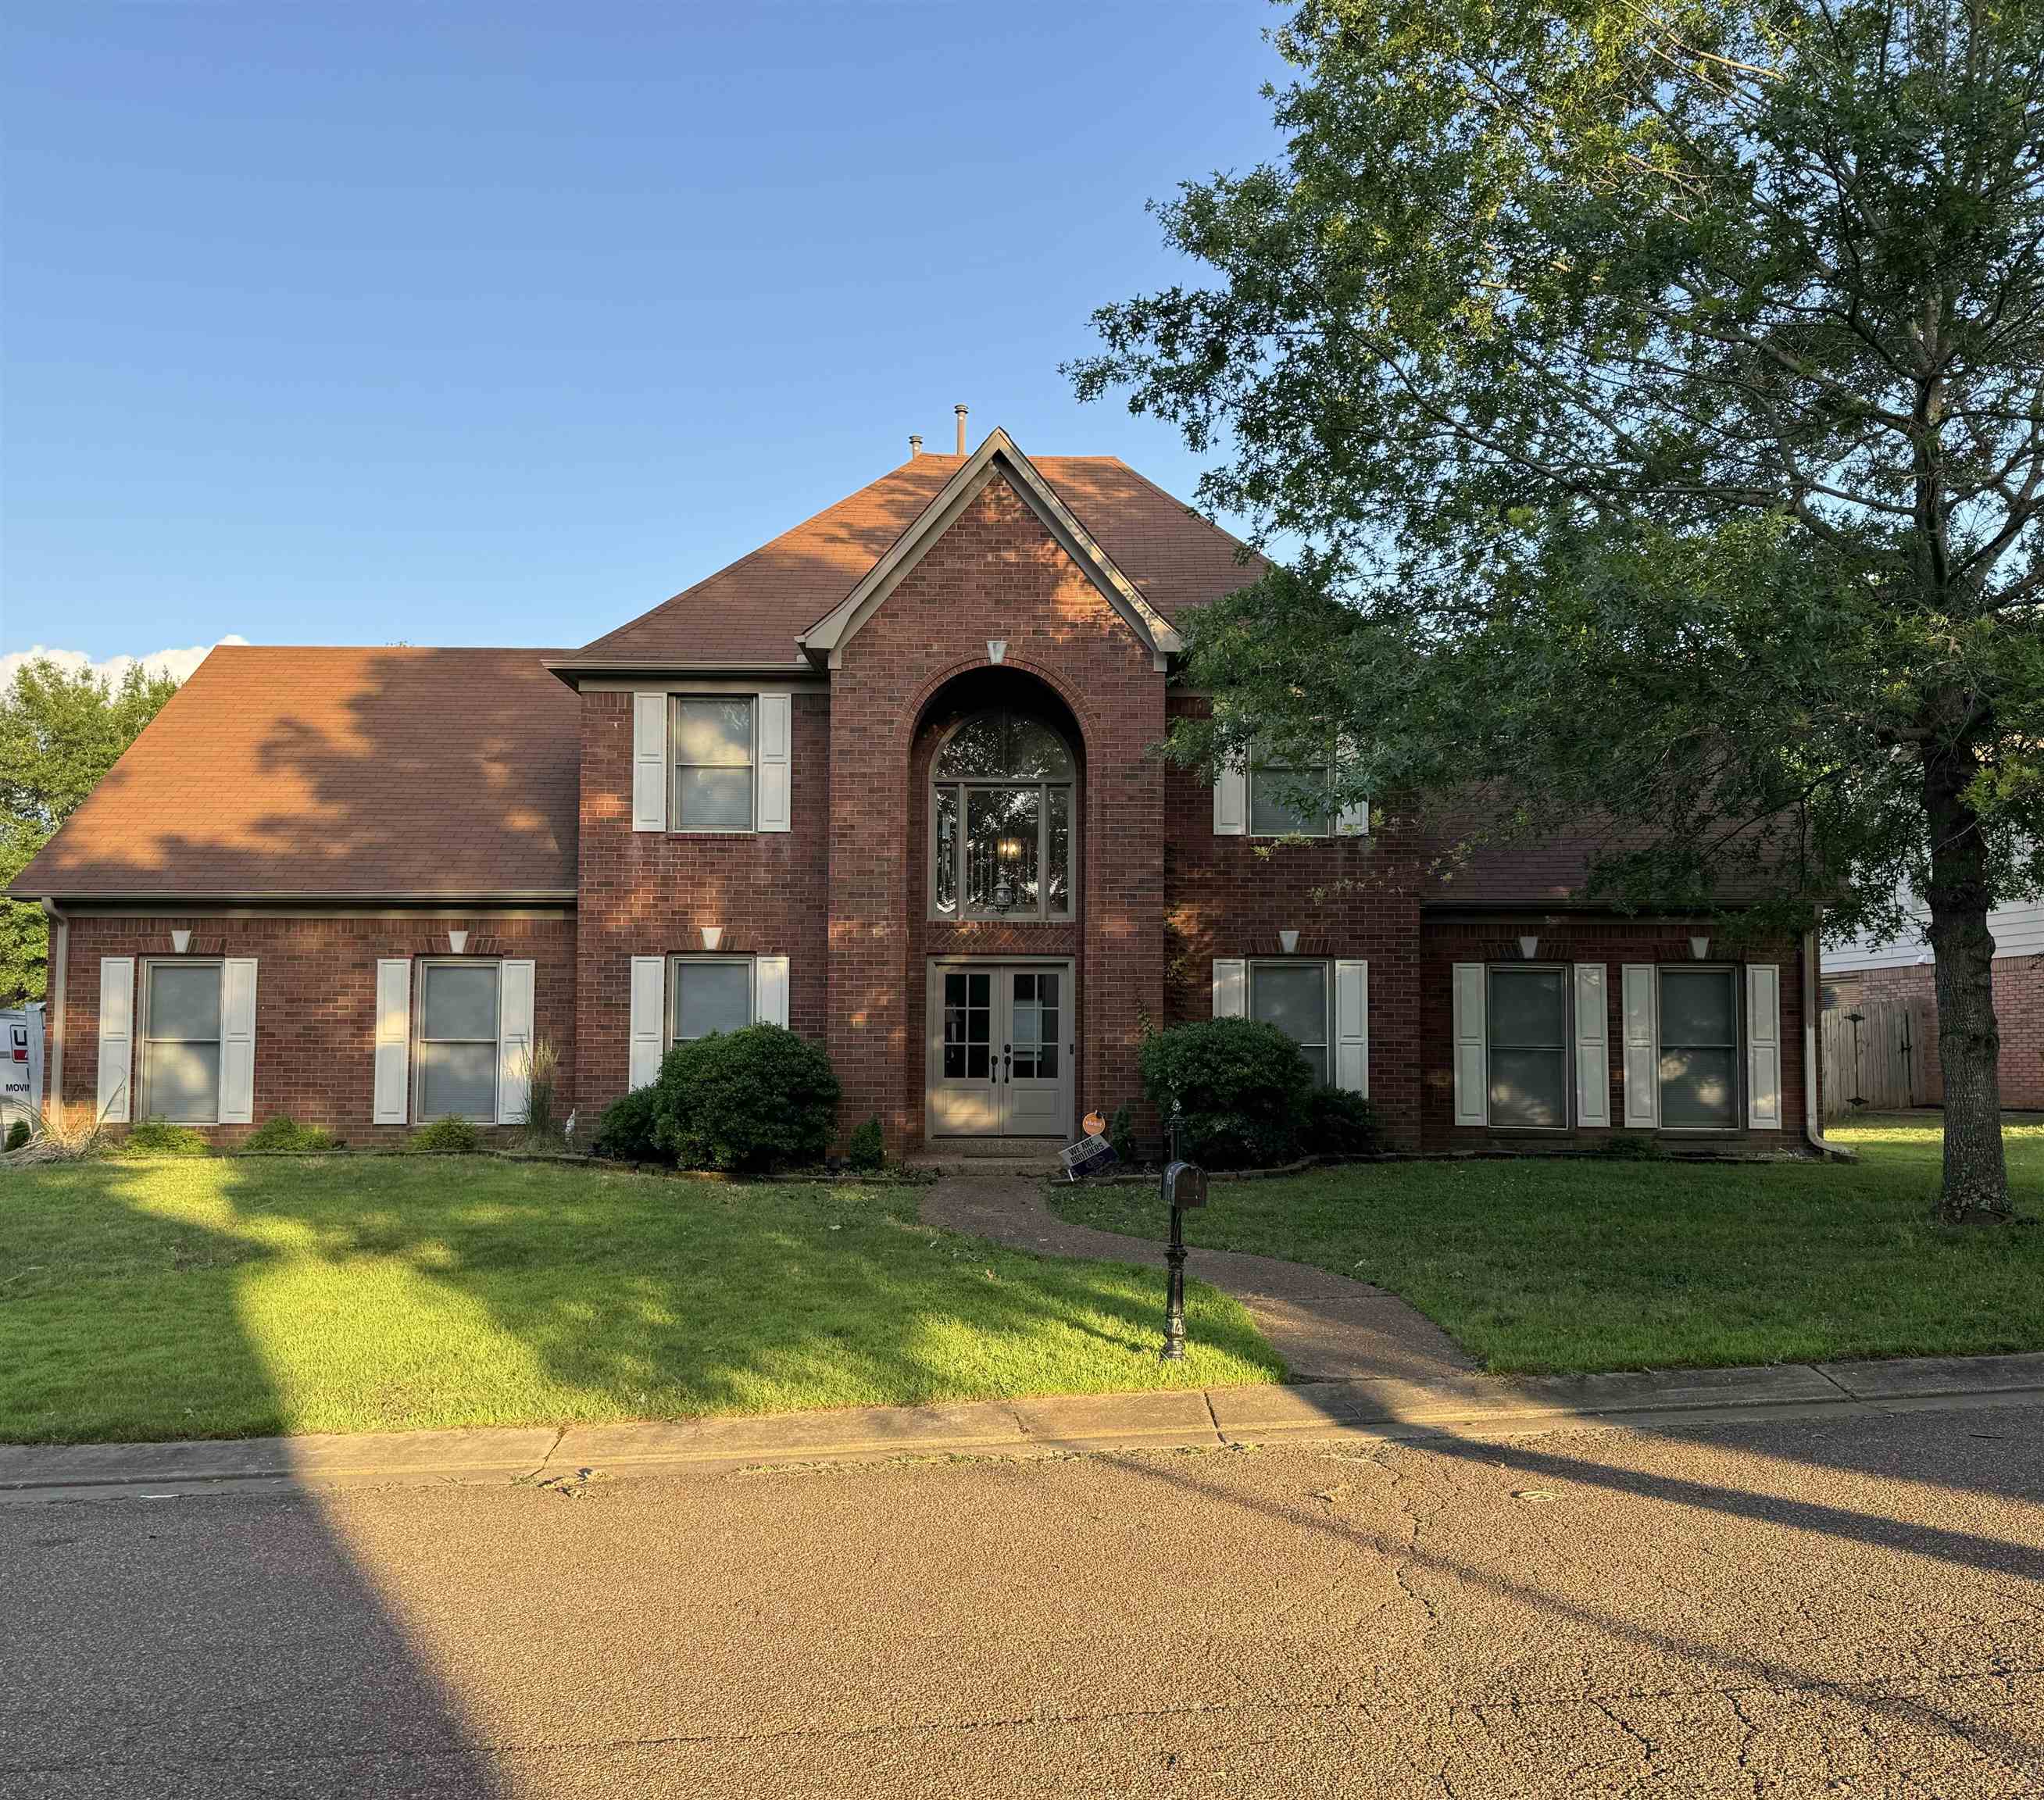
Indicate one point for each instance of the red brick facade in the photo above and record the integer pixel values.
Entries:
(315, 996)
(844, 894)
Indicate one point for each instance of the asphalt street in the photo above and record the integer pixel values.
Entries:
(1792, 1606)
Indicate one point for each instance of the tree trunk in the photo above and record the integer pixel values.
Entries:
(1976, 1179)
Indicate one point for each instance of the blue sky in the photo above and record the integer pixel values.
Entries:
(351, 322)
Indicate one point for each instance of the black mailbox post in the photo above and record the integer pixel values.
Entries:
(1184, 1184)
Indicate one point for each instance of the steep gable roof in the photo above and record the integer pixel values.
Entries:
(751, 614)
(347, 773)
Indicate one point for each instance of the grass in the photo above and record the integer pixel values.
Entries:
(149, 1299)
(1567, 1265)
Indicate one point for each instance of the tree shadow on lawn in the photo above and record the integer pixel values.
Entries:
(267, 1295)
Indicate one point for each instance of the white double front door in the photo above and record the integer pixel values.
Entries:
(1001, 1042)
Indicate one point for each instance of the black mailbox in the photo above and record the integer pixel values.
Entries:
(1184, 1184)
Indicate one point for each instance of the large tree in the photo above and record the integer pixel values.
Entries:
(60, 731)
(1656, 388)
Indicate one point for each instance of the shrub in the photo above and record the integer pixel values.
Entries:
(625, 1132)
(18, 1134)
(1121, 1133)
(867, 1150)
(72, 1136)
(1243, 1086)
(1626, 1146)
(285, 1133)
(446, 1136)
(159, 1138)
(753, 1099)
(1339, 1124)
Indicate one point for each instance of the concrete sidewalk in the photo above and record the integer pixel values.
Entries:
(1462, 1405)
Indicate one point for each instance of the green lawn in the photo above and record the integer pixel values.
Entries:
(224, 1298)
(1552, 1265)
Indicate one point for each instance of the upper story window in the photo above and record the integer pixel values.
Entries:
(1271, 814)
(1001, 820)
(712, 740)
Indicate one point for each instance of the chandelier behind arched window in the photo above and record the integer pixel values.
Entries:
(1001, 820)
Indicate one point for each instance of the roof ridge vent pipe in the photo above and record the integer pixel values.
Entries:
(960, 411)
(915, 445)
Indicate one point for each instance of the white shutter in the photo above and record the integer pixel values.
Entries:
(649, 763)
(1352, 1027)
(1231, 987)
(1763, 1047)
(116, 1038)
(1472, 1046)
(392, 1101)
(649, 994)
(770, 988)
(514, 1040)
(1643, 1059)
(1231, 798)
(776, 728)
(1592, 1047)
(237, 1040)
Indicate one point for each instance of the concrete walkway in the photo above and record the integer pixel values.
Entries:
(1325, 1327)
(1460, 1406)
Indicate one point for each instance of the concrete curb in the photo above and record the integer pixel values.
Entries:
(1368, 1411)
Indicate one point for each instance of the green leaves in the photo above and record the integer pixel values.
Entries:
(1655, 390)
(60, 731)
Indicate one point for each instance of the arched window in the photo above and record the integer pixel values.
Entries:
(1001, 817)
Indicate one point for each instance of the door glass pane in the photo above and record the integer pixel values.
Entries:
(1025, 1023)
(1526, 1087)
(180, 1082)
(1001, 847)
(714, 731)
(460, 1001)
(947, 853)
(1058, 875)
(711, 996)
(184, 1003)
(968, 1025)
(1044, 1062)
(1294, 997)
(457, 1079)
(715, 800)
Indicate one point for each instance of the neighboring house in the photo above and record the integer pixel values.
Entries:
(889, 780)
(1866, 972)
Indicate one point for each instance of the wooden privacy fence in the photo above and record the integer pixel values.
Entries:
(1880, 1053)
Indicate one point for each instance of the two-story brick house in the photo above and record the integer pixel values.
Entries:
(890, 780)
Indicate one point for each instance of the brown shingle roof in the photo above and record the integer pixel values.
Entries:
(363, 773)
(751, 613)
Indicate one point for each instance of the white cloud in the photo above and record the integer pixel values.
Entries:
(177, 662)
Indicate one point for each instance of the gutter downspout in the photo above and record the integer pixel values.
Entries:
(53, 1046)
(1813, 1124)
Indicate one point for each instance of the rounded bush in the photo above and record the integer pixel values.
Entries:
(1243, 1085)
(18, 1134)
(756, 1100)
(867, 1150)
(1341, 1124)
(159, 1138)
(446, 1136)
(626, 1131)
(285, 1133)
